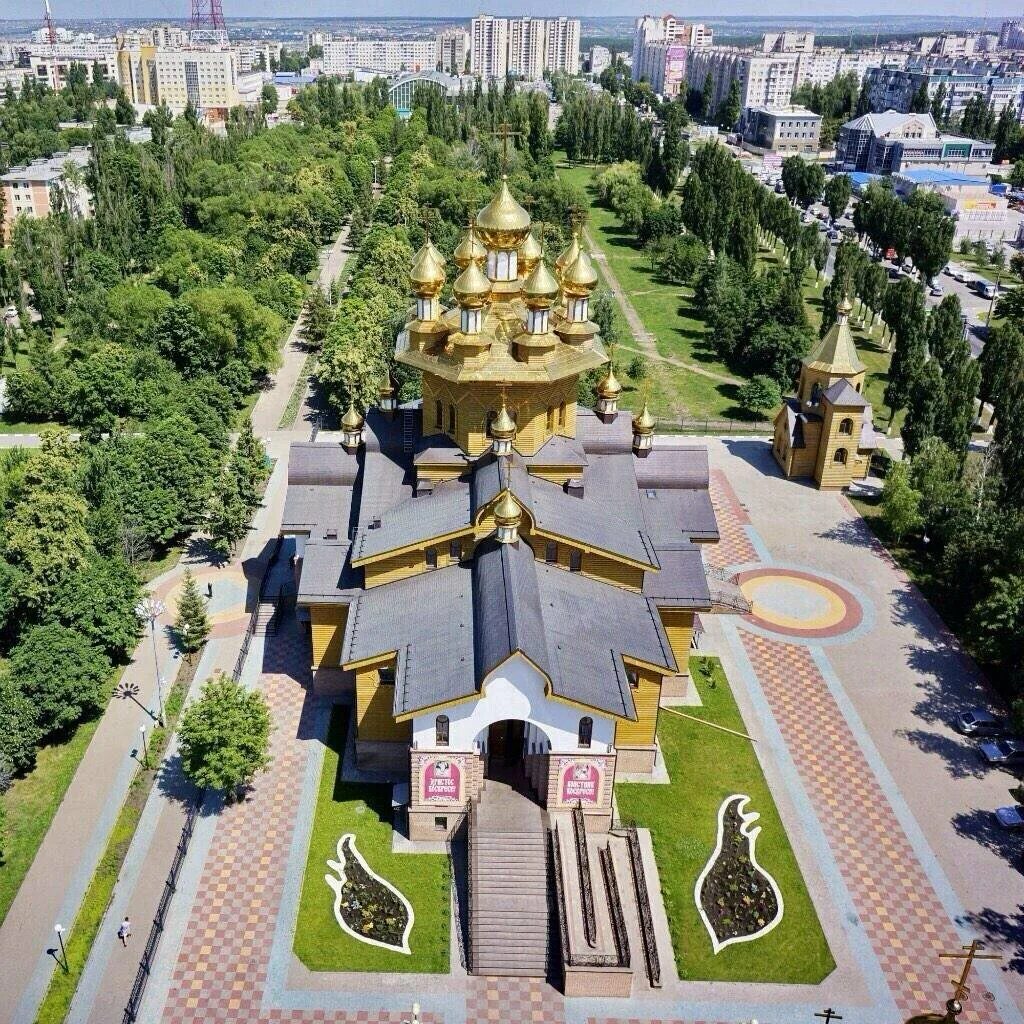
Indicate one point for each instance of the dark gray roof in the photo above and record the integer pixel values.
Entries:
(674, 516)
(440, 449)
(324, 464)
(559, 451)
(844, 394)
(417, 519)
(327, 575)
(682, 582)
(598, 437)
(386, 482)
(673, 466)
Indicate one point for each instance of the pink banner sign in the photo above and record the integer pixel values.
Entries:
(580, 780)
(442, 780)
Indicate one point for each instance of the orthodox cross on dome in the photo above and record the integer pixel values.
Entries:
(505, 131)
(970, 953)
(829, 1015)
(428, 219)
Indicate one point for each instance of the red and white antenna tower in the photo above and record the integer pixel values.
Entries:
(51, 32)
(207, 24)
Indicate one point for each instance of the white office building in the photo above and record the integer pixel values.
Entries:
(348, 54)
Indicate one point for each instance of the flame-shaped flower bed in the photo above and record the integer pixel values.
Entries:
(738, 900)
(368, 907)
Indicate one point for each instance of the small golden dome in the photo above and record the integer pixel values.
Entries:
(610, 386)
(503, 426)
(644, 423)
(540, 289)
(530, 253)
(507, 512)
(568, 255)
(472, 288)
(427, 274)
(579, 277)
(470, 249)
(352, 420)
(845, 307)
(503, 223)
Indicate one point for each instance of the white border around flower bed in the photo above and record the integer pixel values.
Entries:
(337, 883)
(747, 819)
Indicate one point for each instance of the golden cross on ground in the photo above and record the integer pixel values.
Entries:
(828, 1015)
(505, 131)
(969, 955)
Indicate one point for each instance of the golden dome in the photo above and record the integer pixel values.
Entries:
(470, 249)
(579, 277)
(427, 274)
(503, 223)
(610, 386)
(530, 253)
(503, 426)
(644, 423)
(352, 420)
(472, 288)
(540, 289)
(507, 512)
(568, 255)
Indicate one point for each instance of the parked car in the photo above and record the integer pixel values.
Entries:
(11, 315)
(960, 275)
(1010, 817)
(979, 722)
(780, 188)
(894, 273)
(948, 270)
(935, 290)
(1003, 752)
(986, 289)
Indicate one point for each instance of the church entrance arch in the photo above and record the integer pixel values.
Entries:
(516, 753)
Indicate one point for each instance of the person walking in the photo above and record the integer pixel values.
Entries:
(124, 933)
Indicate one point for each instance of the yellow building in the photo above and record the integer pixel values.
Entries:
(825, 432)
(504, 580)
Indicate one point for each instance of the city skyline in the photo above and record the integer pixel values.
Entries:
(164, 9)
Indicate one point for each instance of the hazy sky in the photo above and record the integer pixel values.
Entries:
(992, 9)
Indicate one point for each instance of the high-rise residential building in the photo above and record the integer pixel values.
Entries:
(344, 55)
(660, 48)
(489, 46)
(562, 45)
(452, 49)
(1011, 34)
(526, 47)
(787, 42)
(208, 79)
(765, 79)
(51, 63)
(600, 57)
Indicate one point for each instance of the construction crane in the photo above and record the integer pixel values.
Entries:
(51, 32)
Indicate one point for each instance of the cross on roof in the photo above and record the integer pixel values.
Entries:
(828, 1015)
(505, 131)
(969, 955)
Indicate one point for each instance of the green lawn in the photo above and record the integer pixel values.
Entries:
(424, 879)
(706, 766)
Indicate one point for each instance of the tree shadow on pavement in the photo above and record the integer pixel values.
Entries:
(998, 929)
(981, 826)
(961, 755)
(854, 532)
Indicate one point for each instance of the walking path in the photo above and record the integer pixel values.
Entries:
(56, 882)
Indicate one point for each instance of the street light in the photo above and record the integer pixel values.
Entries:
(149, 608)
(59, 929)
(145, 747)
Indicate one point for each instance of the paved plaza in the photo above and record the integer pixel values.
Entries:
(846, 680)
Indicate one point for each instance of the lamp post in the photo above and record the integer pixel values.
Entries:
(59, 929)
(145, 747)
(149, 608)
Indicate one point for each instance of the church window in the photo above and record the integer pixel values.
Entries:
(451, 419)
(438, 415)
(441, 731)
(551, 418)
(815, 393)
(586, 731)
(840, 456)
(575, 561)
(551, 551)
(455, 550)
(441, 823)
(386, 675)
(561, 415)
(634, 678)
(431, 558)
(846, 426)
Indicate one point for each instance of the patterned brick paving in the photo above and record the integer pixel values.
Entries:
(526, 1000)
(734, 548)
(897, 905)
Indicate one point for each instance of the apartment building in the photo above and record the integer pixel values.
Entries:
(524, 47)
(489, 46)
(452, 49)
(206, 78)
(255, 55)
(52, 63)
(765, 79)
(28, 189)
(347, 54)
(562, 45)
(660, 48)
(599, 58)
(1011, 34)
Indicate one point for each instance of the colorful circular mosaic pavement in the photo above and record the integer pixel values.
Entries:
(799, 604)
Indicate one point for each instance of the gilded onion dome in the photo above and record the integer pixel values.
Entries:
(644, 423)
(472, 288)
(540, 289)
(427, 274)
(610, 386)
(530, 253)
(568, 255)
(503, 427)
(507, 512)
(352, 420)
(503, 223)
(470, 249)
(579, 277)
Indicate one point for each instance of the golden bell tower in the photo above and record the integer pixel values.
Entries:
(517, 335)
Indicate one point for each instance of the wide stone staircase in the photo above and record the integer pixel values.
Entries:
(509, 912)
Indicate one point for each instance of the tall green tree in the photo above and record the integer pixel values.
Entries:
(192, 622)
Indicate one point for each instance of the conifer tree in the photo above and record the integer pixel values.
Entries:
(192, 623)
